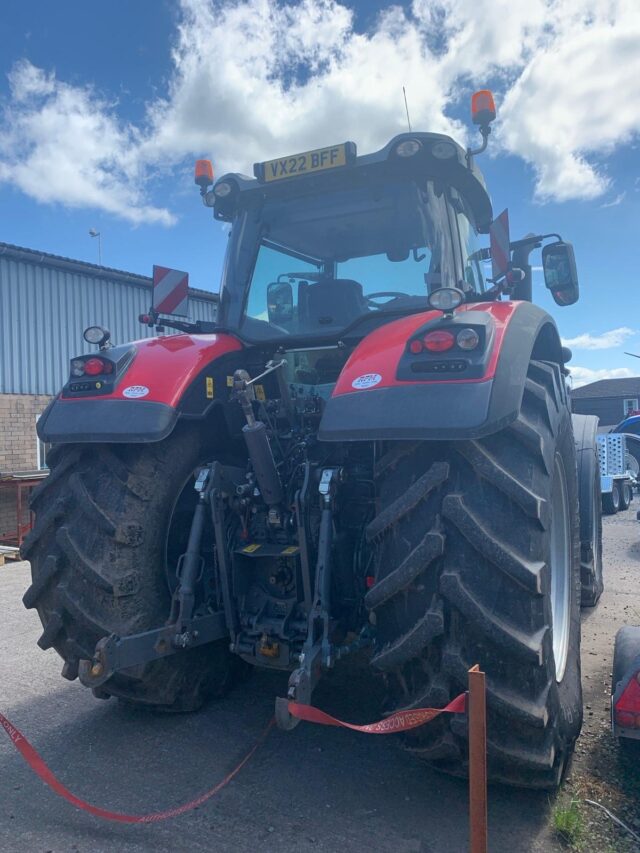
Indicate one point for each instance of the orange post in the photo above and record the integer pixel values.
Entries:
(477, 762)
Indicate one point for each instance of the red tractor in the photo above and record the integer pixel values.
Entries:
(372, 448)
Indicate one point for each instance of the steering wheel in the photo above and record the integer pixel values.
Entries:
(383, 294)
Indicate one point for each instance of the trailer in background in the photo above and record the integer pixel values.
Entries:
(616, 477)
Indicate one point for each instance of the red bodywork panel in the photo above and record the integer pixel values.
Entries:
(381, 351)
(168, 365)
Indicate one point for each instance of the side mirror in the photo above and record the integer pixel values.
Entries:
(560, 273)
(280, 302)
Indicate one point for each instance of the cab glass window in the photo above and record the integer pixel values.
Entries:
(473, 277)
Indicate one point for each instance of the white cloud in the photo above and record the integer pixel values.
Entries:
(584, 375)
(616, 201)
(254, 79)
(578, 95)
(607, 340)
(320, 82)
(61, 143)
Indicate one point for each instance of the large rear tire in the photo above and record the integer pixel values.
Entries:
(477, 561)
(111, 521)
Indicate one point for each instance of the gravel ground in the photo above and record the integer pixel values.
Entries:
(601, 770)
(313, 789)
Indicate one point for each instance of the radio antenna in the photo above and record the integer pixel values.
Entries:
(406, 106)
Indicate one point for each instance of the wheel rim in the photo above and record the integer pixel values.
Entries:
(615, 496)
(560, 557)
(595, 533)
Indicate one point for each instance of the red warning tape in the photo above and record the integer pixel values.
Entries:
(36, 763)
(401, 721)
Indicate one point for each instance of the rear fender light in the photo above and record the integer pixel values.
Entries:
(92, 375)
(438, 341)
(467, 339)
(97, 366)
(93, 366)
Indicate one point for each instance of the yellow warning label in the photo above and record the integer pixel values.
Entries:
(292, 549)
(210, 387)
(251, 548)
(229, 381)
(260, 395)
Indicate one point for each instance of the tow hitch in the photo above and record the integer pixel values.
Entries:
(318, 652)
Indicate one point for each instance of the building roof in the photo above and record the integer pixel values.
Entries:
(33, 256)
(45, 303)
(628, 387)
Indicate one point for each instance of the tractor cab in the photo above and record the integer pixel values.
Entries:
(327, 244)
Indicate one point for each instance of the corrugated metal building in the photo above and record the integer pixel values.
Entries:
(46, 302)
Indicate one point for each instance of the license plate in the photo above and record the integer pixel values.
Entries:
(303, 164)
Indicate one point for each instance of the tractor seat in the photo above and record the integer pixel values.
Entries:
(329, 303)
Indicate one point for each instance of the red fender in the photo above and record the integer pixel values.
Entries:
(143, 405)
(380, 352)
(168, 365)
(386, 391)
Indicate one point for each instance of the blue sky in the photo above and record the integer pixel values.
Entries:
(104, 107)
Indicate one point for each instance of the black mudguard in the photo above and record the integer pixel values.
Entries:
(585, 430)
(106, 420)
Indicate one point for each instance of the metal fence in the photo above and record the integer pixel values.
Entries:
(45, 304)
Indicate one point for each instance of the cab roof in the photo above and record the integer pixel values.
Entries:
(448, 164)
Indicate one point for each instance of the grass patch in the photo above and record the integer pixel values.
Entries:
(568, 823)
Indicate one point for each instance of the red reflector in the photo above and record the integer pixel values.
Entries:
(94, 366)
(415, 347)
(439, 341)
(369, 580)
(626, 719)
(629, 701)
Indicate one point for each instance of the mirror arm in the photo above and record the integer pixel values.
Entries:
(524, 289)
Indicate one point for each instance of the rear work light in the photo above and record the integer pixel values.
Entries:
(408, 148)
(97, 335)
(438, 341)
(222, 189)
(445, 299)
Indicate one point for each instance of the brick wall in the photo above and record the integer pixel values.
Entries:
(18, 446)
